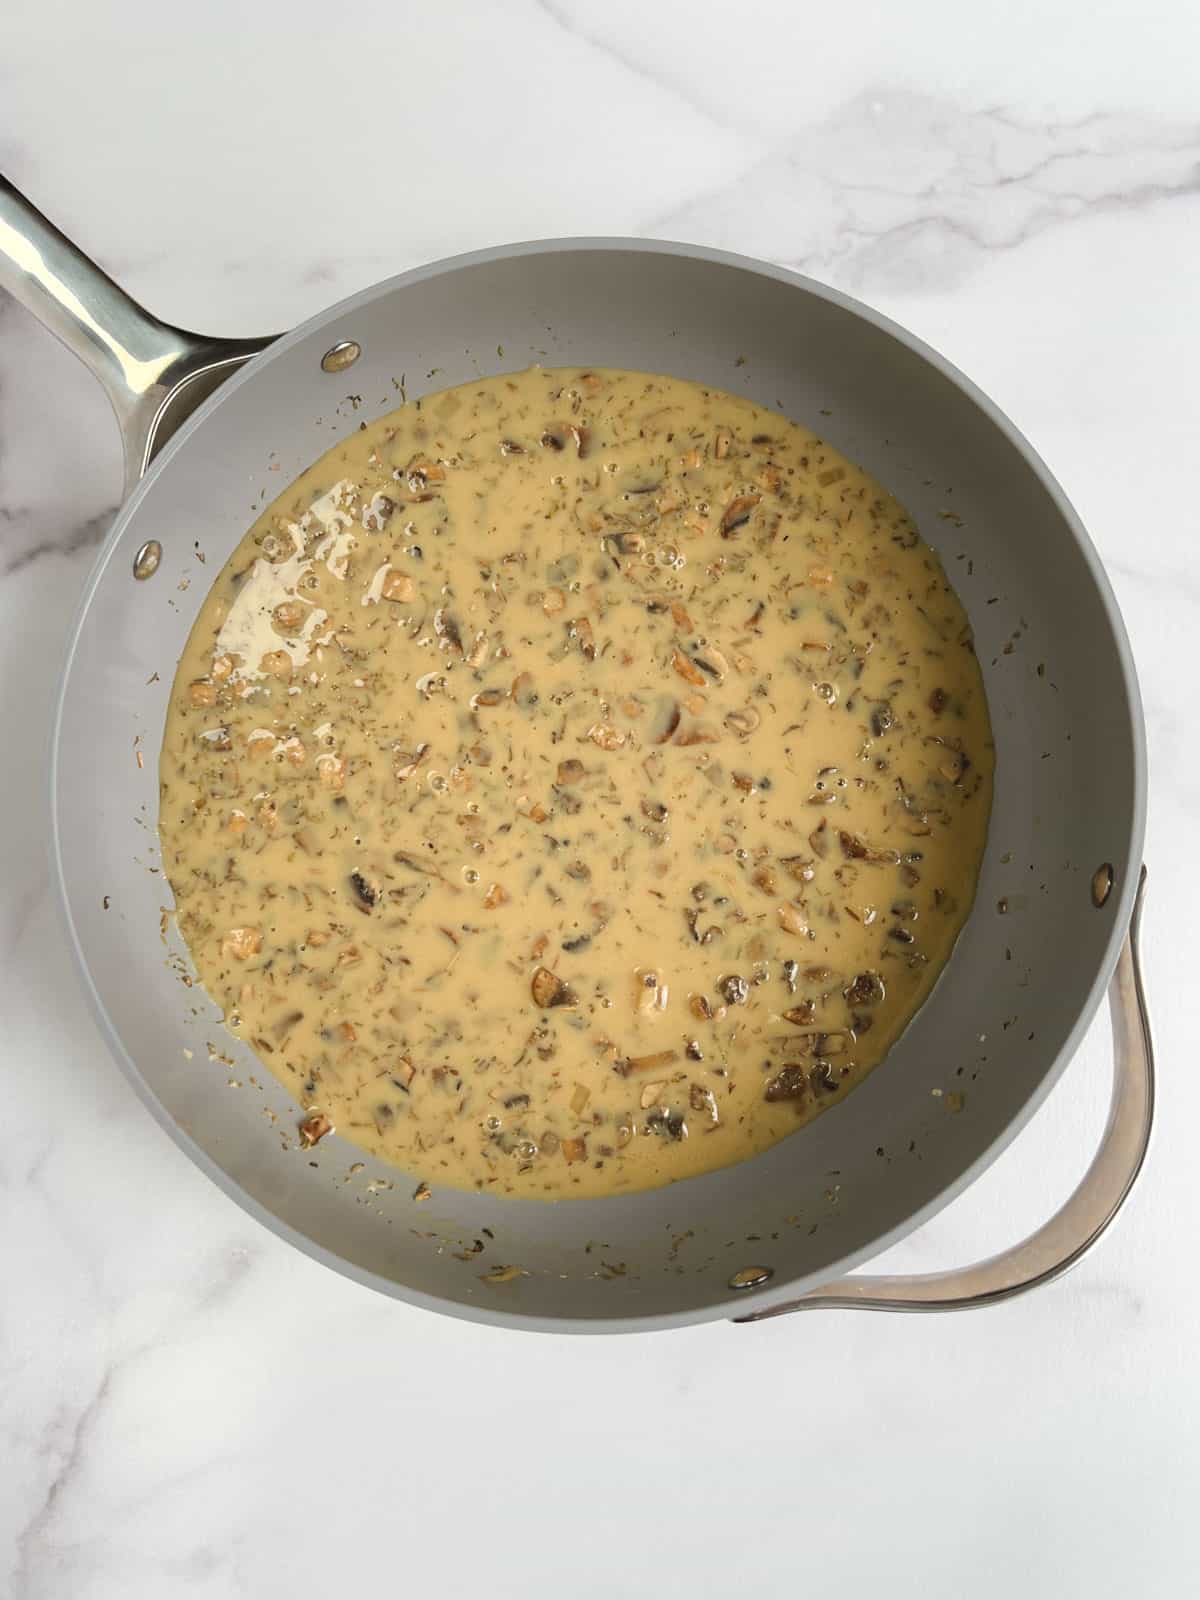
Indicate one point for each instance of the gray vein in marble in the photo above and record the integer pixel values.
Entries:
(899, 192)
(72, 1457)
(34, 1541)
(85, 535)
(640, 67)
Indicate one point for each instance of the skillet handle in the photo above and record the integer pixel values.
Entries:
(1073, 1230)
(154, 375)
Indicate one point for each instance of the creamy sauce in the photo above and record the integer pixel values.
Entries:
(574, 782)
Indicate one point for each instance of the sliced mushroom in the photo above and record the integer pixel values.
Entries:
(698, 733)
(406, 762)
(743, 722)
(447, 629)
(580, 436)
(650, 991)
(635, 1064)
(314, 1127)
(737, 513)
(581, 630)
(800, 1016)
(866, 990)
(687, 669)
(485, 698)
(667, 720)
(854, 849)
(702, 1099)
(549, 990)
(398, 586)
(797, 867)
(710, 660)
(790, 1083)
(242, 943)
(627, 544)
(522, 690)
(365, 892)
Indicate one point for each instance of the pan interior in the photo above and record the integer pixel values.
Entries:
(1033, 955)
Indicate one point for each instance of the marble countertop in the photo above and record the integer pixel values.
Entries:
(189, 1407)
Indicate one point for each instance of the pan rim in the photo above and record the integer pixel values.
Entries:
(781, 1289)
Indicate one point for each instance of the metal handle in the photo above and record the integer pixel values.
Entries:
(154, 375)
(1071, 1232)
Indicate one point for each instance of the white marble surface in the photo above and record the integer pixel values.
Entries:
(189, 1408)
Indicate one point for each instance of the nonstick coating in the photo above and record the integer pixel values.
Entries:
(1022, 984)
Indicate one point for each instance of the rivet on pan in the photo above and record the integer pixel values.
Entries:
(751, 1277)
(344, 354)
(1102, 882)
(145, 563)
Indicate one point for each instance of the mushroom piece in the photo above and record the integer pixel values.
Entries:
(734, 988)
(650, 991)
(790, 1083)
(702, 1099)
(447, 628)
(743, 722)
(486, 697)
(866, 990)
(606, 736)
(314, 1127)
(406, 762)
(802, 1015)
(854, 849)
(580, 629)
(797, 867)
(737, 513)
(398, 586)
(710, 660)
(698, 733)
(635, 1064)
(687, 669)
(365, 892)
(549, 990)
(242, 943)
(667, 720)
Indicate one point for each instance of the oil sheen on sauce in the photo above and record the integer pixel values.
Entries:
(574, 782)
